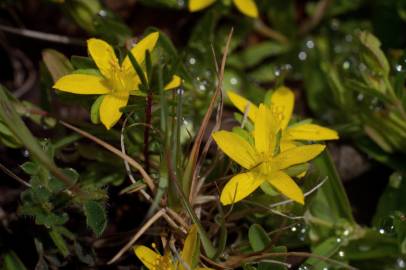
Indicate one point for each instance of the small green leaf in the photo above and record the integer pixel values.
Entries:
(12, 261)
(96, 217)
(59, 242)
(94, 111)
(57, 63)
(258, 238)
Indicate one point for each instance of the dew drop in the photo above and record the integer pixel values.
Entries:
(341, 253)
(287, 67)
(102, 13)
(234, 81)
(302, 56)
(398, 68)
(346, 65)
(381, 231)
(26, 153)
(192, 60)
(303, 267)
(360, 97)
(310, 44)
(293, 229)
(338, 240)
(180, 91)
(400, 263)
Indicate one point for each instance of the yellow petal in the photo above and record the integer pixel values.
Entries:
(196, 5)
(237, 148)
(247, 7)
(311, 132)
(285, 185)
(103, 55)
(240, 186)
(110, 109)
(297, 155)
(82, 84)
(138, 51)
(147, 256)
(243, 104)
(286, 144)
(265, 131)
(282, 102)
(190, 246)
(174, 83)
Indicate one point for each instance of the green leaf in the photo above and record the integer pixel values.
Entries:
(7, 138)
(57, 63)
(83, 12)
(258, 238)
(20, 130)
(12, 261)
(81, 62)
(333, 190)
(96, 217)
(59, 242)
(138, 69)
(256, 54)
(94, 111)
(374, 46)
(392, 199)
(327, 248)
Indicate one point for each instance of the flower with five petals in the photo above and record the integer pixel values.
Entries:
(262, 160)
(116, 82)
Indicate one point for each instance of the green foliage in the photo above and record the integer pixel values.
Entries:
(346, 63)
(95, 216)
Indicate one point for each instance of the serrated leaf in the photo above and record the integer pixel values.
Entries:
(96, 217)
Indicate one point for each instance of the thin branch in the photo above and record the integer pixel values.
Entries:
(268, 32)
(148, 180)
(14, 176)
(319, 13)
(43, 36)
(143, 229)
(306, 194)
(122, 144)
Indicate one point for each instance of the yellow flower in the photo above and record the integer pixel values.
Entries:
(282, 104)
(117, 81)
(155, 261)
(247, 7)
(261, 160)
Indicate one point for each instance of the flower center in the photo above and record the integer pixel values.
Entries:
(119, 79)
(278, 112)
(163, 263)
